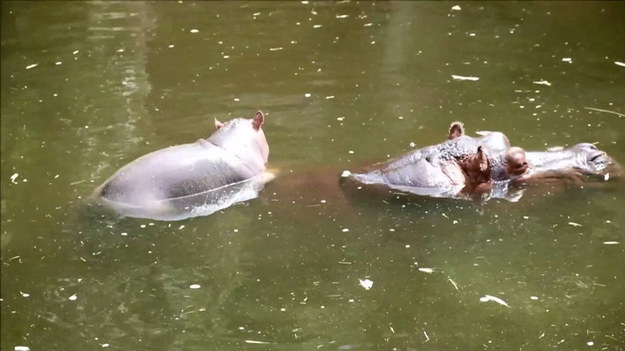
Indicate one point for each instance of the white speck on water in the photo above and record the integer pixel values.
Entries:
(526, 217)
(56, 176)
(407, 246)
(194, 31)
(73, 297)
(340, 119)
(237, 99)
(124, 234)
(456, 8)
(345, 174)
(426, 270)
(366, 283)
(610, 243)
(32, 66)
(226, 56)
(24, 294)
(305, 2)
(342, 16)
(494, 299)
(345, 230)
(606, 177)
(471, 34)
(351, 151)
(256, 14)
(283, 309)
(533, 298)
(58, 63)
(317, 26)
(105, 345)
(170, 46)
(618, 63)
(195, 286)
(412, 144)
(542, 82)
(307, 95)
(567, 59)
(367, 24)
(235, 230)
(323, 201)
(469, 78)
(400, 117)
(142, 226)
(590, 343)
(573, 224)
(22, 348)
(13, 177)
(329, 97)
(275, 49)
(75, 52)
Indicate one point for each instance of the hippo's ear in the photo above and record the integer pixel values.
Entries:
(258, 120)
(482, 159)
(456, 129)
(218, 124)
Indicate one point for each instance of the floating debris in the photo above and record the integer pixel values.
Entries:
(73, 297)
(345, 174)
(426, 270)
(453, 283)
(307, 95)
(194, 31)
(573, 224)
(195, 286)
(13, 177)
(342, 16)
(618, 63)
(32, 66)
(486, 298)
(275, 49)
(534, 298)
(542, 82)
(366, 283)
(345, 230)
(456, 8)
(567, 59)
(606, 177)
(22, 348)
(611, 243)
(256, 342)
(469, 78)
(606, 111)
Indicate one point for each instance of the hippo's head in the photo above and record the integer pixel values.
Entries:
(244, 137)
(589, 159)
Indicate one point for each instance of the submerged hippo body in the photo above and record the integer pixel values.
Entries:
(481, 168)
(210, 174)
(442, 170)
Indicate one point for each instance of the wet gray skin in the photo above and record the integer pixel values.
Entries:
(168, 182)
(580, 159)
(436, 166)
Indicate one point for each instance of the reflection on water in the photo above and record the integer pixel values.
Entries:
(88, 87)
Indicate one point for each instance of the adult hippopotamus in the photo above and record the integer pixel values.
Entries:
(193, 179)
(487, 166)
(442, 170)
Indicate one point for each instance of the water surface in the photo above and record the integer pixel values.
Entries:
(89, 86)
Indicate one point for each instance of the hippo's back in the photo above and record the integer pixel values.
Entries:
(174, 172)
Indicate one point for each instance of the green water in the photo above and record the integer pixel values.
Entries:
(342, 84)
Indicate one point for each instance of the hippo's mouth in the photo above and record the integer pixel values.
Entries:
(598, 161)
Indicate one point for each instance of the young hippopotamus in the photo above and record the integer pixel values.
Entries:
(210, 174)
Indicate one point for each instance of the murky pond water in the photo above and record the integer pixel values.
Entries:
(90, 86)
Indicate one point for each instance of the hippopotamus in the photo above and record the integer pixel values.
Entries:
(193, 179)
(487, 165)
(444, 168)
